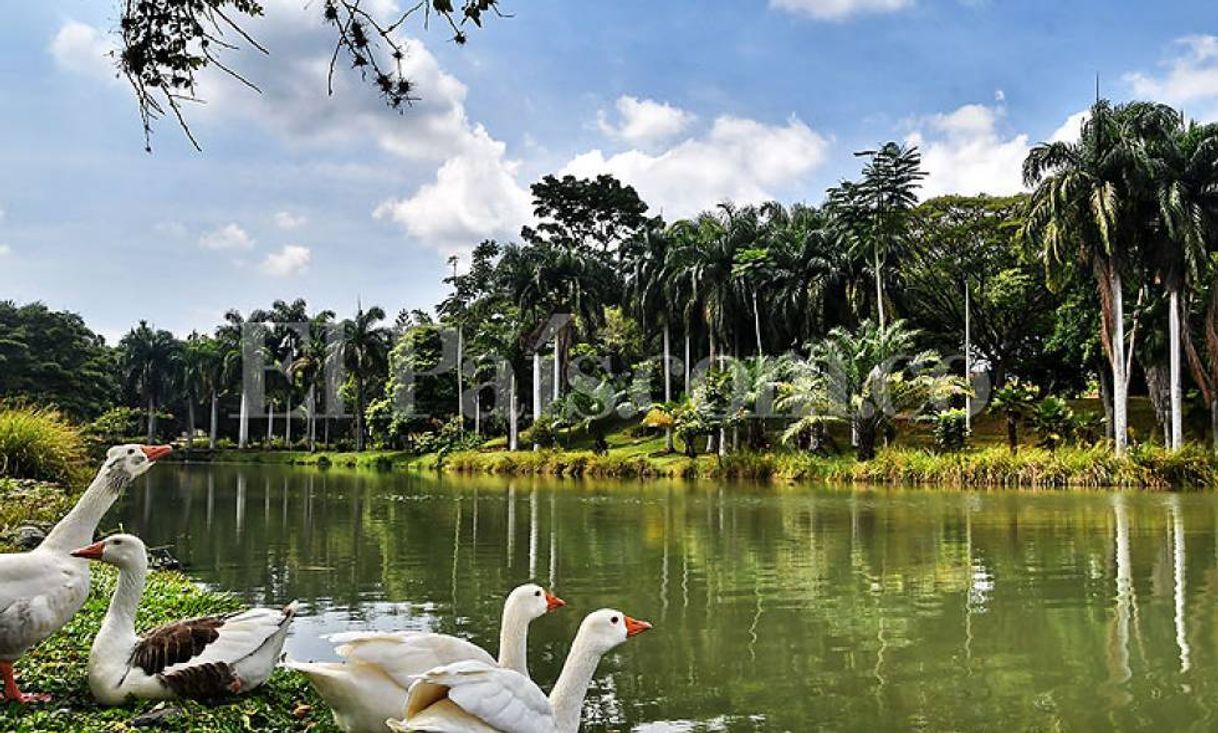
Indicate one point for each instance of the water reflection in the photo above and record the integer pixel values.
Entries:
(778, 609)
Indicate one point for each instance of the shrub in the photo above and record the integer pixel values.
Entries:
(540, 432)
(39, 443)
(951, 430)
(1054, 421)
(115, 426)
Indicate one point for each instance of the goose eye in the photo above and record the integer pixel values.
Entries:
(131, 451)
(538, 594)
(613, 620)
(118, 542)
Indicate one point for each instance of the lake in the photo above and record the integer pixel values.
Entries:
(777, 608)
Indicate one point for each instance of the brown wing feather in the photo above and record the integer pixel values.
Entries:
(203, 681)
(175, 643)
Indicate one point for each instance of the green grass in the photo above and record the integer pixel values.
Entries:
(39, 443)
(58, 665)
(29, 502)
(378, 459)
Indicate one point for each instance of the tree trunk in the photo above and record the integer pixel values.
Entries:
(757, 322)
(270, 422)
(513, 430)
(312, 398)
(151, 422)
(1106, 401)
(190, 427)
(668, 444)
(287, 420)
(243, 422)
(866, 444)
(215, 420)
(879, 288)
(968, 364)
(1214, 424)
(687, 364)
(536, 392)
(359, 414)
(1013, 432)
(460, 358)
(1120, 381)
(557, 391)
(1177, 391)
(1158, 388)
(478, 412)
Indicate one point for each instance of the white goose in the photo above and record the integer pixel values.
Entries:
(42, 590)
(371, 685)
(475, 697)
(201, 658)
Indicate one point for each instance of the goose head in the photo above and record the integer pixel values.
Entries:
(607, 628)
(532, 601)
(123, 551)
(125, 463)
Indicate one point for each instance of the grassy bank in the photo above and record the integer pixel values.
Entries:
(984, 468)
(58, 665)
(378, 459)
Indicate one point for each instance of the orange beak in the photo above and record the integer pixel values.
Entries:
(92, 552)
(156, 451)
(553, 602)
(634, 627)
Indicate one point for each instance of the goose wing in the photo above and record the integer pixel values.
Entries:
(197, 657)
(39, 593)
(404, 655)
(474, 697)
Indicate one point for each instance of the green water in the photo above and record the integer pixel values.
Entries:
(775, 608)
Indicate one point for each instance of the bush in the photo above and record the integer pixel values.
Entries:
(951, 430)
(116, 426)
(1054, 421)
(541, 432)
(39, 443)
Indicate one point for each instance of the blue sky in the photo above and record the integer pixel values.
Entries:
(333, 199)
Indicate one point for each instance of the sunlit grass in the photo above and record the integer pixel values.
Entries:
(39, 443)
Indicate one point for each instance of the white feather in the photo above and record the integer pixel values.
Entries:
(474, 697)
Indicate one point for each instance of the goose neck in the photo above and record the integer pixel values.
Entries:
(567, 697)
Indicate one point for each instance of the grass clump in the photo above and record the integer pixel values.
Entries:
(39, 443)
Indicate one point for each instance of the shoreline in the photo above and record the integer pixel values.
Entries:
(1145, 468)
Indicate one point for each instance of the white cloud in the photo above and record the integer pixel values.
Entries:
(739, 159)
(291, 260)
(1191, 77)
(229, 236)
(83, 49)
(839, 9)
(288, 220)
(963, 152)
(1071, 131)
(5, 250)
(644, 121)
(475, 195)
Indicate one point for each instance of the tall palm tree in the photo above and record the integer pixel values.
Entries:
(648, 296)
(147, 357)
(363, 347)
(195, 365)
(237, 339)
(1083, 210)
(1184, 191)
(873, 211)
(313, 355)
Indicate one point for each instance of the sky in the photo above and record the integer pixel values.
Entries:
(338, 199)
